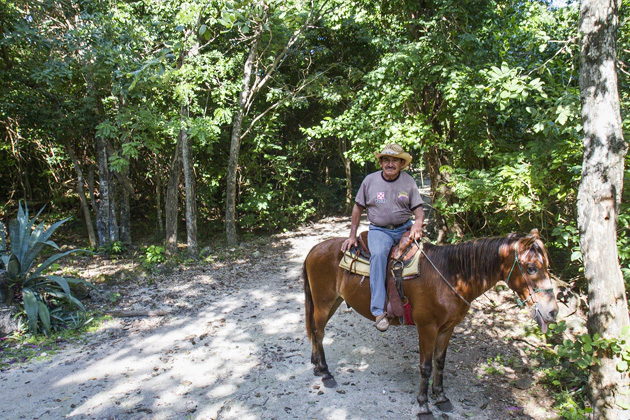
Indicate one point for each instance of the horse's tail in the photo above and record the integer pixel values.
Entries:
(308, 302)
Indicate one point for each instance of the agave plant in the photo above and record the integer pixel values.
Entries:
(46, 299)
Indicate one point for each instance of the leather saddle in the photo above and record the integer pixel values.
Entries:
(404, 252)
(400, 254)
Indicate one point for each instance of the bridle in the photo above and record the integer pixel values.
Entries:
(533, 290)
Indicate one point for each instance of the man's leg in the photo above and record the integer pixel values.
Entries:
(380, 244)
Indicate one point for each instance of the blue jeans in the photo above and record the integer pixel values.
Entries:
(380, 241)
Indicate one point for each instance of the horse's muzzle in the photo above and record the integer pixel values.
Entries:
(544, 314)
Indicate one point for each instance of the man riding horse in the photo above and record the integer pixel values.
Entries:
(390, 197)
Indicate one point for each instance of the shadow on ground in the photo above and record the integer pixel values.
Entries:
(238, 350)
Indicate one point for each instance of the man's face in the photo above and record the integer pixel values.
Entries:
(391, 167)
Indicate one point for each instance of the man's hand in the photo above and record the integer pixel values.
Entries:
(415, 234)
(352, 238)
(416, 229)
(349, 243)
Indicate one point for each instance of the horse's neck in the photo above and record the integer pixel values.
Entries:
(482, 282)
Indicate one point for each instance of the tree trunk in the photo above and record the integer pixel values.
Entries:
(191, 196)
(91, 189)
(158, 202)
(171, 209)
(125, 211)
(599, 197)
(82, 198)
(347, 165)
(235, 144)
(114, 227)
(106, 225)
(441, 191)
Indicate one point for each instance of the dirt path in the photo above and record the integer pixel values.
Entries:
(234, 347)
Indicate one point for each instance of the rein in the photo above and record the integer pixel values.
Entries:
(519, 302)
(441, 275)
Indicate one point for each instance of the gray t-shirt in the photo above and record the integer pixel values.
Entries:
(388, 202)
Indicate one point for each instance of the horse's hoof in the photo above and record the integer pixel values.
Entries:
(329, 382)
(445, 406)
(425, 416)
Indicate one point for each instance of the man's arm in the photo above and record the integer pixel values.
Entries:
(416, 228)
(354, 226)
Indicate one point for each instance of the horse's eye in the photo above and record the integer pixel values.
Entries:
(532, 269)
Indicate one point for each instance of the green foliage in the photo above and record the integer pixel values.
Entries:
(113, 248)
(495, 365)
(623, 244)
(586, 350)
(488, 106)
(571, 406)
(154, 254)
(19, 348)
(45, 299)
(569, 363)
(264, 208)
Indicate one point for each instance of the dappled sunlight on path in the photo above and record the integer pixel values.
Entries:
(237, 349)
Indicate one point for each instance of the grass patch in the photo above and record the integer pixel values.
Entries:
(19, 349)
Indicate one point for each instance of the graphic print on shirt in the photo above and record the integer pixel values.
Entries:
(403, 196)
(380, 197)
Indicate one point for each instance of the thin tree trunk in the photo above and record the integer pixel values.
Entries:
(91, 189)
(599, 196)
(158, 202)
(122, 177)
(103, 216)
(171, 208)
(189, 180)
(347, 165)
(235, 144)
(114, 227)
(82, 198)
(106, 224)
(125, 211)
(440, 189)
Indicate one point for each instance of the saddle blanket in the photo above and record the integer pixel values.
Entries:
(358, 264)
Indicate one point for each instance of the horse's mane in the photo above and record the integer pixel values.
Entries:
(475, 259)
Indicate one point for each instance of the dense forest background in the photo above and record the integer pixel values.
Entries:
(144, 119)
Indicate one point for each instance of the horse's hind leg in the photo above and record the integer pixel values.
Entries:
(439, 357)
(321, 316)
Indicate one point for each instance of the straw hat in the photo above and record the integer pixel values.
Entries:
(394, 150)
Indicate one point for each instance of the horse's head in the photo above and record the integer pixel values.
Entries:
(529, 279)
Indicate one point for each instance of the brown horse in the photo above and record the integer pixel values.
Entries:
(469, 268)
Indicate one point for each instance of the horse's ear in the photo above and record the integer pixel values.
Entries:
(534, 233)
(526, 242)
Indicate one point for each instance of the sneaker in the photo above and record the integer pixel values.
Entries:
(382, 322)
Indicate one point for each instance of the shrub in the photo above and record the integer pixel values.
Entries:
(154, 254)
(113, 248)
(569, 364)
(45, 299)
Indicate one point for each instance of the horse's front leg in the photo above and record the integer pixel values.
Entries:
(426, 342)
(441, 345)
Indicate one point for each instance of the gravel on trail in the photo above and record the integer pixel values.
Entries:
(232, 345)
